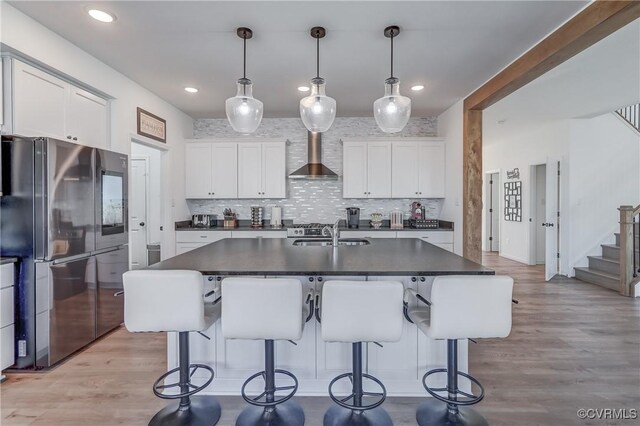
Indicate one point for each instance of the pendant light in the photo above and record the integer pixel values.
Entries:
(244, 112)
(392, 111)
(317, 110)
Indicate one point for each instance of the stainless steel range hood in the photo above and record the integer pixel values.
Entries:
(314, 169)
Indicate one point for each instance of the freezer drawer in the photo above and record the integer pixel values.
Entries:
(110, 308)
(69, 321)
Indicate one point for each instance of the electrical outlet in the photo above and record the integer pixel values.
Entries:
(22, 348)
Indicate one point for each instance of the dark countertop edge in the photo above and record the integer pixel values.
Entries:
(185, 225)
(244, 225)
(347, 273)
(6, 260)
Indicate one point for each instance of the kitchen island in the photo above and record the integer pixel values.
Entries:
(399, 365)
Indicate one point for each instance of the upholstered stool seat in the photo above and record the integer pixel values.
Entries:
(459, 307)
(266, 309)
(357, 312)
(173, 301)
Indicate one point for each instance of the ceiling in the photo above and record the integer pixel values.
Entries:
(601, 79)
(451, 47)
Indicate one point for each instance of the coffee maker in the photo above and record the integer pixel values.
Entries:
(353, 217)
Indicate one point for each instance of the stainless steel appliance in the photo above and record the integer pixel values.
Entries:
(424, 223)
(204, 220)
(64, 215)
(307, 230)
(353, 217)
(417, 212)
(314, 169)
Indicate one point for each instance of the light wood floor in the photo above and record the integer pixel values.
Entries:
(573, 345)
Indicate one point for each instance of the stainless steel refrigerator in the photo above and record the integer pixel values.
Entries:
(63, 213)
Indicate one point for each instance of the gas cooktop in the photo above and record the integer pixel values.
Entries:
(306, 230)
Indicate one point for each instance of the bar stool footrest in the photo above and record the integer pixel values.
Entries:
(471, 399)
(158, 385)
(256, 399)
(341, 401)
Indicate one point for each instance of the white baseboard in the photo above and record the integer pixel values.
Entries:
(517, 259)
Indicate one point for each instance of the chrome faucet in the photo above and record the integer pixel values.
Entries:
(334, 232)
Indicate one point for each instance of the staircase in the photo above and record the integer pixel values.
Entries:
(631, 115)
(605, 270)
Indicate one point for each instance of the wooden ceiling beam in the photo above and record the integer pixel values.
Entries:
(595, 22)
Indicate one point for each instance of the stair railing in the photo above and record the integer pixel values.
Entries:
(629, 254)
(631, 115)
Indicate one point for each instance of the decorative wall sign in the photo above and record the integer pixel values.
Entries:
(152, 126)
(513, 201)
(513, 174)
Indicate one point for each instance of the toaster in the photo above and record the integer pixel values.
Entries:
(204, 220)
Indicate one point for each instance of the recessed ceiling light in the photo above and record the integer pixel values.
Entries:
(191, 89)
(417, 88)
(303, 88)
(101, 16)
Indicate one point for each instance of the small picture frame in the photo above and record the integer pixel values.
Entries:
(513, 201)
(151, 126)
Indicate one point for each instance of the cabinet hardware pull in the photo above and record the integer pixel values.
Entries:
(75, 138)
(118, 293)
(69, 137)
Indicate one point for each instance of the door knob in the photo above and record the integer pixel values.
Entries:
(141, 223)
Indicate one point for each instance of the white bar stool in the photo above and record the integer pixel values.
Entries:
(356, 312)
(460, 307)
(163, 301)
(266, 309)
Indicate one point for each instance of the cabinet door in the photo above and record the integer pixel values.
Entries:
(224, 170)
(250, 170)
(185, 247)
(198, 170)
(396, 360)
(39, 102)
(354, 184)
(379, 170)
(404, 170)
(274, 170)
(432, 169)
(86, 121)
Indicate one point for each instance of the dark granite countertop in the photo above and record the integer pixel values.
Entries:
(5, 260)
(276, 256)
(365, 226)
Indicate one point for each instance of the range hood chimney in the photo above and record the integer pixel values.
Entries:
(314, 169)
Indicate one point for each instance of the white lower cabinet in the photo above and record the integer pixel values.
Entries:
(396, 360)
(7, 328)
(368, 234)
(259, 234)
(189, 240)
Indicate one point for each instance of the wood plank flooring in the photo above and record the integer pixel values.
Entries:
(573, 345)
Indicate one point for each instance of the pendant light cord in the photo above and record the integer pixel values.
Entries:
(244, 63)
(317, 57)
(391, 53)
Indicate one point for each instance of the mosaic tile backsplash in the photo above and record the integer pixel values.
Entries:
(313, 200)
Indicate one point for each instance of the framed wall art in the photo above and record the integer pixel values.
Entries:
(151, 126)
(513, 201)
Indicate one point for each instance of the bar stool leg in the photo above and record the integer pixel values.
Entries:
(434, 412)
(198, 410)
(288, 413)
(340, 416)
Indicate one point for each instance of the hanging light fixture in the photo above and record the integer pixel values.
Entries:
(244, 112)
(317, 110)
(392, 111)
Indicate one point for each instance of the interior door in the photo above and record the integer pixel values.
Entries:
(551, 210)
(138, 213)
(495, 212)
(110, 307)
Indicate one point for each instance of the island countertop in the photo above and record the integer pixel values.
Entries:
(277, 256)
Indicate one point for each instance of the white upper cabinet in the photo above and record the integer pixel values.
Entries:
(211, 170)
(432, 170)
(86, 118)
(250, 170)
(367, 170)
(418, 169)
(220, 169)
(45, 105)
(39, 102)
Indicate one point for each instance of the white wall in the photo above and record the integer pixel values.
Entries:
(450, 127)
(24, 34)
(520, 145)
(604, 175)
(599, 172)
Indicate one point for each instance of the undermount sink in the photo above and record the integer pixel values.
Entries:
(326, 242)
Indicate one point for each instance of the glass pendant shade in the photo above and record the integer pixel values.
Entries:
(244, 112)
(317, 110)
(392, 111)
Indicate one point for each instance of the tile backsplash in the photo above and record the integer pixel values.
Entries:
(314, 200)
